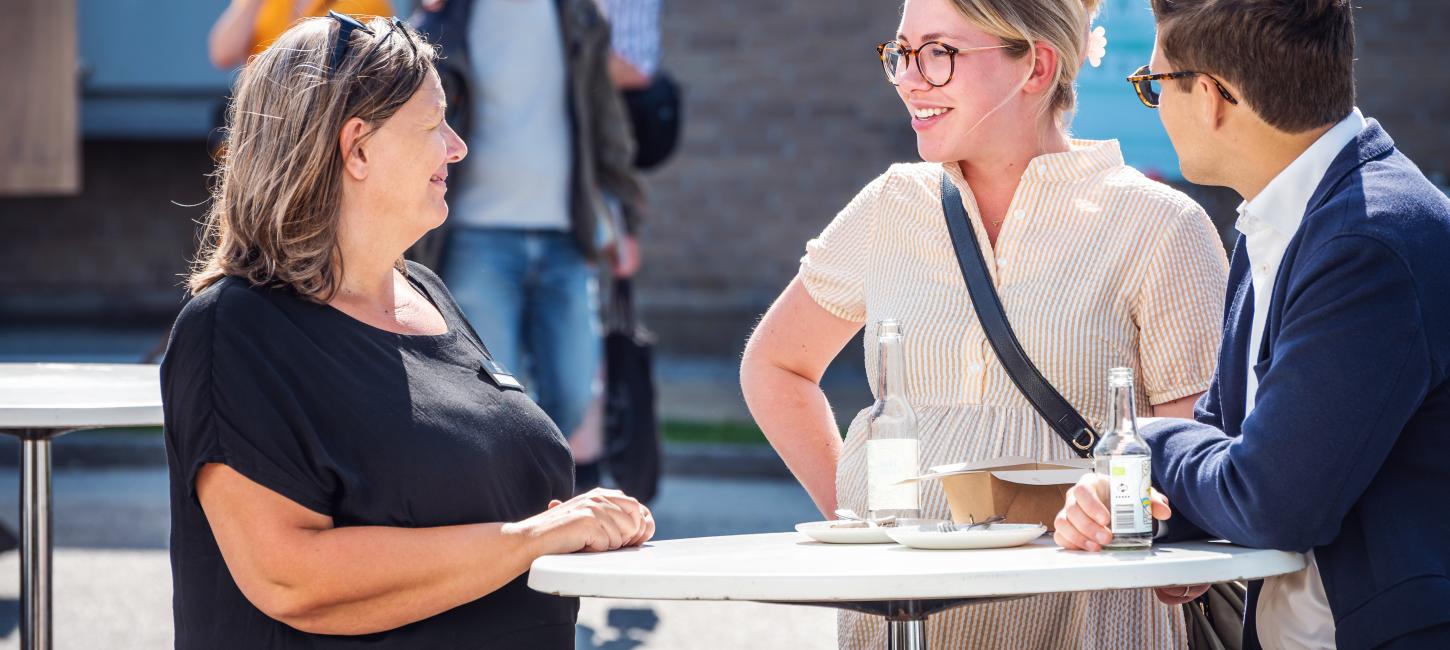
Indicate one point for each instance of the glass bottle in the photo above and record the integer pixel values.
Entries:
(891, 443)
(1125, 459)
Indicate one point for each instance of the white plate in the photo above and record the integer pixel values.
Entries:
(826, 532)
(995, 536)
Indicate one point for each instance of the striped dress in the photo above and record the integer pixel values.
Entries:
(1097, 267)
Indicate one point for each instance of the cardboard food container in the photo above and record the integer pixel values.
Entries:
(1025, 490)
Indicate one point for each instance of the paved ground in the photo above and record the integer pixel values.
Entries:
(112, 584)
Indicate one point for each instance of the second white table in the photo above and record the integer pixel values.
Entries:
(39, 402)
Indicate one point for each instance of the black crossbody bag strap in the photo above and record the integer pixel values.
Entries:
(1064, 419)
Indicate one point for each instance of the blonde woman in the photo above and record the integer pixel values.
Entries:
(349, 466)
(1096, 265)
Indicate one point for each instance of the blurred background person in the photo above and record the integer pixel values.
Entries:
(651, 95)
(620, 429)
(249, 26)
(634, 40)
(529, 83)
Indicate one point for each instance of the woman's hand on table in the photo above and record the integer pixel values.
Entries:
(1082, 525)
(1180, 595)
(598, 520)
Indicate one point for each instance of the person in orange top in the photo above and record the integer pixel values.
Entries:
(249, 26)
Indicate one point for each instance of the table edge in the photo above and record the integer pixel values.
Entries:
(787, 587)
(66, 417)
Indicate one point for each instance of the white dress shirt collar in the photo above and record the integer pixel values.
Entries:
(1282, 203)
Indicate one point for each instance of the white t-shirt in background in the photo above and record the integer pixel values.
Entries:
(519, 152)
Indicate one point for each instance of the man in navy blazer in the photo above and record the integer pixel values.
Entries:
(1327, 428)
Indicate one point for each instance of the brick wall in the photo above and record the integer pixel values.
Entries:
(1400, 81)
(117, 251)
(787, 117)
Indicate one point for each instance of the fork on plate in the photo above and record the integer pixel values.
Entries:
(952, 527)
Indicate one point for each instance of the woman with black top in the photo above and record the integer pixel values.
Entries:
(349, 466)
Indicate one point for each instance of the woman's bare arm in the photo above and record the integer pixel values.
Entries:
(1179, 408)
(296, 567)
(231, 36)
(780, 376)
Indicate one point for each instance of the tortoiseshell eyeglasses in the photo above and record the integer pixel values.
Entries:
(936, 61)
(1145, 82)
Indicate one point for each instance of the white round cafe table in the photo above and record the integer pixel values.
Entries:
(38, 402)
(901, 584)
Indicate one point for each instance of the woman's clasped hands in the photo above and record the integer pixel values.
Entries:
(598, 520)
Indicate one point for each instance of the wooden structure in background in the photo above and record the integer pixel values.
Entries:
(39, 98)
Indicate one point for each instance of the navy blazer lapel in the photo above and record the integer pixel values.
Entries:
(1371, 143)
(1233, 359)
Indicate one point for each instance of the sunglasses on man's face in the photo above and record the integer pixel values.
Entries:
(1145, 81)
(346, 25)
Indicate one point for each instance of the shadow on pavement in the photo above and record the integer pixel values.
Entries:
(630, 627)
(9, 616)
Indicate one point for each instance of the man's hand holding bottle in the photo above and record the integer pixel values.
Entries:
(1083, 524)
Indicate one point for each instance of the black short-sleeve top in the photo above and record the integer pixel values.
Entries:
(368, 427)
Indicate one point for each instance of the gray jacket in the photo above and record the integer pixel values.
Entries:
(603, 146)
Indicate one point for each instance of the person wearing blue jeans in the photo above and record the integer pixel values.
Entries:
(529, 90)
(532, 291)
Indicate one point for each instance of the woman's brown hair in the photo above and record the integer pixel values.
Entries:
(278, 185)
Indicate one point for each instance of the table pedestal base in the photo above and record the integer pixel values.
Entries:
(905, 619)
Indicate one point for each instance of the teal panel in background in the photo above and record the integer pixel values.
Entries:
(1108, 109)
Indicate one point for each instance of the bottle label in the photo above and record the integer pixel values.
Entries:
(888, 462)
(1128, 483)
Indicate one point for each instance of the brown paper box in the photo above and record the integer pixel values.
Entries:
(1024, 490)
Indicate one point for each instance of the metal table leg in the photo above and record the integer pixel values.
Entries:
(906, 635)
(906, 626)
(35, 541)
(905, 619)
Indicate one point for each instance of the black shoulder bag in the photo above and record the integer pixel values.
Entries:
(1064, 419)
(632, 453)
(655, 115)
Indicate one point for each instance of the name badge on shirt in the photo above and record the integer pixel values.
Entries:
(500, 375)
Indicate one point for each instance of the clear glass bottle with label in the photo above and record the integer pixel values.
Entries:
(1125, 459)
(891, 442)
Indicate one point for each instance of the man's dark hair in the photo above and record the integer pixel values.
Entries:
(1291, 60)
